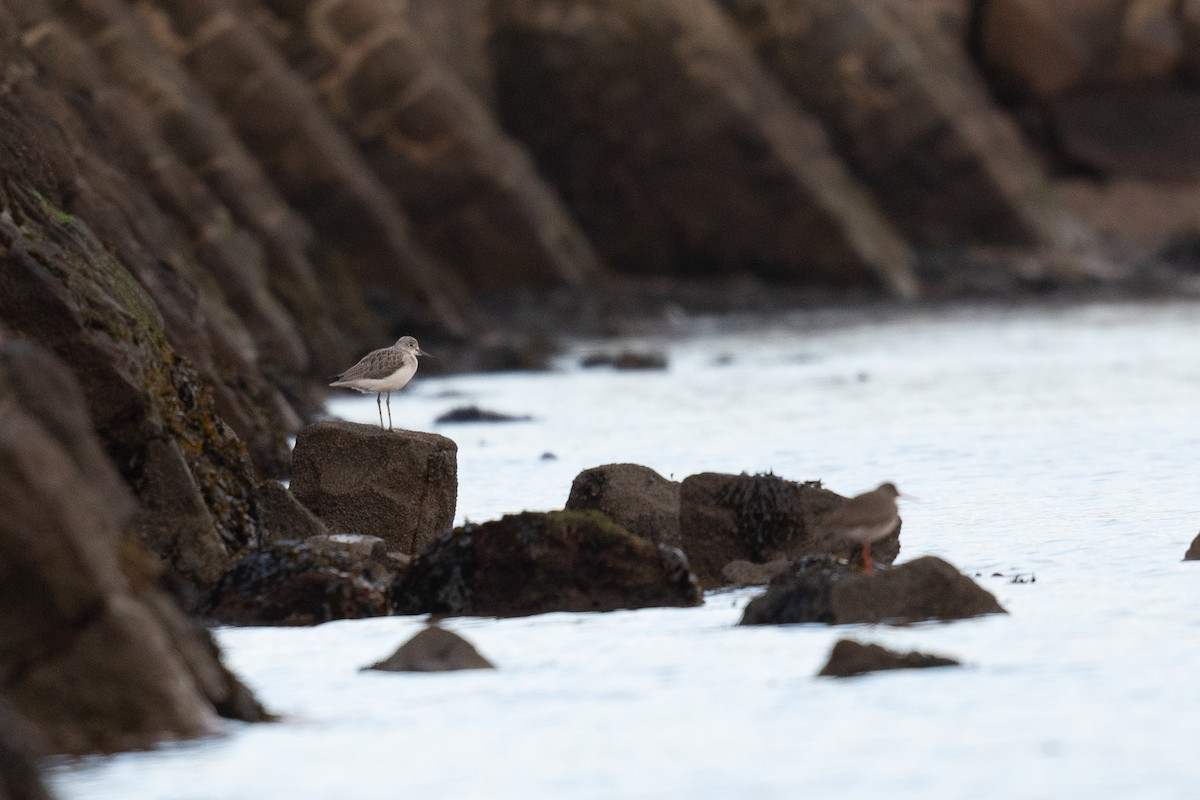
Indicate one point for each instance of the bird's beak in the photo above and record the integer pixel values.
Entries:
(421, 352)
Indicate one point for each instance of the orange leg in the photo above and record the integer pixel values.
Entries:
(868, 564)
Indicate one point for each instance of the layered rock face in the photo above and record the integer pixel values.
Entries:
(92, 652)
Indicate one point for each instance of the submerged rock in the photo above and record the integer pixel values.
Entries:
(532, 563)
(823, 589)
(92, 652)
(635, 497)
(477, 414)
(306, 583)
(1193, 553)
(849, 658)
(434, 649)
(761, 518)
(626, 359)
(399, 485)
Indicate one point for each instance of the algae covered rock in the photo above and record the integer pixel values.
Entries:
(823, 589)
(532, 563)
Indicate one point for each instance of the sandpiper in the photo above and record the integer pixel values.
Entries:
(383, 371)
(866, 518)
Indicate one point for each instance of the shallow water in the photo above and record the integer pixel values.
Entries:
(1060, 445)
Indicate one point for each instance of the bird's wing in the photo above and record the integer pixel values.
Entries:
(374, 365)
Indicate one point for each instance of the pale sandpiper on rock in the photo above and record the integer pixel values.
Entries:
(383, 371)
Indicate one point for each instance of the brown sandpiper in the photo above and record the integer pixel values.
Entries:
(866, 518)
(383, 371)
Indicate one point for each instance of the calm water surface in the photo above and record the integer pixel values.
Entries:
(1062, 445)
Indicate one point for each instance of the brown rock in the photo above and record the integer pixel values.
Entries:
(849, 658)
(305, 583)
(911, 116)
(285, 517)
(398, 485)
(535, 563)
(91, 652)
(1038, 50)
(747, 573)
(760, 518)
(1093, 130)
(434, 649)
(1193, 553)
(677, 151)
(1152, 46)
(824, 590)
(635, 497)
(19, 778)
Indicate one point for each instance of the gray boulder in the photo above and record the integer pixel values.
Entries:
(635, 497)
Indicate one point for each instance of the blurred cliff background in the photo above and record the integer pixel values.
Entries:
(208, 206)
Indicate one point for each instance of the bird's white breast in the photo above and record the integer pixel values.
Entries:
(397, 380)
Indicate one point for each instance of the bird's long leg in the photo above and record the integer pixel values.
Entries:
(389, 405)
(378, 398)
(868, 564)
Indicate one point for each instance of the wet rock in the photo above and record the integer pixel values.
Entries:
(284, 516)
(532, 563)
(626, 360)
(823, 589)
(760, 518)
(909, 113)
(747, 573)
(849, 658)
(398, 485)
(477, 414)
(434, 649)
(677, 151)
(19, 778)
(92, 652)
(635, 497)
(1193, 553)
(305, 583)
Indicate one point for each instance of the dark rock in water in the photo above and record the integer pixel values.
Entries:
(434, 649)
(849, 658)
(635, 497)
(477, 414)
(305, 583)
(532, 563)
(626, 359)
(398, 485)
(92, 652)
(747, 573)
(823, 589)
(1193, 553)
(285, 517)
(761, 518)
(19, 778)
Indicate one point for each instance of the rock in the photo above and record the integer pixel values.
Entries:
(1092, 131)
(849, 658)
(824, 590)
(678, 152)
(92, 652)
(1151, 42)
(434, 649)
(305, 583)
(626, 359)
(911, 116)
(1036, 50)
(533, 563)
(284, 516)
(399, 485)
(747, 573)
(19, 778)
(477, 414)
(760, 518)
(1193, 553)
(635, 497)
